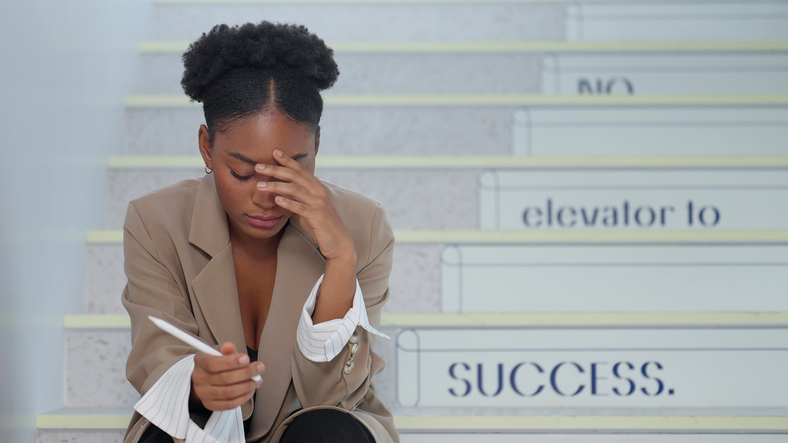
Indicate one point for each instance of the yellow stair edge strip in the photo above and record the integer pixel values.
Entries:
(489, 422)
(476, 161)
(514, 237)
(516, 319)
(177, 47)
(82, 421)
(156, 101)
(428, 1)
(593, 422)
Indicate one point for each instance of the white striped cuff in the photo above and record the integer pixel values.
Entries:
(323, 341)
(166, 405)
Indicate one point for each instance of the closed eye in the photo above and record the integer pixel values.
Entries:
(242, 178)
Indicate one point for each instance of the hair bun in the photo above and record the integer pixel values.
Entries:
(266, 46)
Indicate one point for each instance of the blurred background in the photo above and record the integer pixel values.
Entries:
(590, 200)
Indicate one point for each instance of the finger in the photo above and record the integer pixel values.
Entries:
(232, 403)
(293, 191)
(228, 348)
(289, 162)
(214, 393)
(292, 172)
(214, 364)
(232, 377)
(295, 207)
(286, 174)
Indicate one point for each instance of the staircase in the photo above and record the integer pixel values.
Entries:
(589, 198)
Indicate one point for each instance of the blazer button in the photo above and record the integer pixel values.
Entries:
(354, 349)
(354, 339)
(349, 365)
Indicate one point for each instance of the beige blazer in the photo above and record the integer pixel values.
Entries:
(179, 265)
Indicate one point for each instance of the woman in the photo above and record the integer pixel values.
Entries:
(285, 274)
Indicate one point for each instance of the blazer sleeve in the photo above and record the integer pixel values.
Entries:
(151, 290)
(331, 383)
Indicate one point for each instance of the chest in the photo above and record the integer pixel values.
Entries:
(255, 280)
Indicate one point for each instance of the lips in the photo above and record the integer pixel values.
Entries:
(263, 221)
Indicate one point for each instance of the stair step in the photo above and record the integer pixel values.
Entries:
(434, 198)
(408, 424)
(436, 209)
(515, 319)
(661, 21)
(97, 347)
(90, 428)
(561, 47)
(475, 162)
(372, 21)
(500, 124)
(181, 101)
(416, 277)
(525, 67)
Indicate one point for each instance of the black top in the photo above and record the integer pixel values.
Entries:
(252, 354)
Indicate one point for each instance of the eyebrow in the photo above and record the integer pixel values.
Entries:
(246, 159)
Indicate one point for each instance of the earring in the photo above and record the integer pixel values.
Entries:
(208, 170)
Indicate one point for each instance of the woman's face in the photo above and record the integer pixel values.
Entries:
(253, 214)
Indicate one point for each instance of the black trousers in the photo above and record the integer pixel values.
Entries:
(316, 426)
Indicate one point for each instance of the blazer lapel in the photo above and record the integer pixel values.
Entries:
(299, 265)
(215, 287)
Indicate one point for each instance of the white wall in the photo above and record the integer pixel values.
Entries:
(65, 68)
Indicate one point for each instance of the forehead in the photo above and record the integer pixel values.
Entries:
(257, 136)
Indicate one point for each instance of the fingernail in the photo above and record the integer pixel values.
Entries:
(278, 153)
(244, 360)
(280, 199)
(261, 185)
(260, 167)
(259, 368)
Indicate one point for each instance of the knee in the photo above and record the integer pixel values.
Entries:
(326, 426)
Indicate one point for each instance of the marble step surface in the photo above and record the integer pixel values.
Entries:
(424, 278)
(90, 426)
(501, 124)
(413, 199)
(96, 348)
(414, 278)
(370, 21)
(479, 20)
(351, 130)
(431, 193)
(95, 361)
(524, 67)
(388, 73)
(676, 21)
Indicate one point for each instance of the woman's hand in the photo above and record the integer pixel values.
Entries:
(301, 193)
(222, 383)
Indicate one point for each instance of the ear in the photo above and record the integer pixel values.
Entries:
(317, 140)
(204, 140)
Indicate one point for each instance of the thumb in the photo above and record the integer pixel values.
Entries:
(227, 348)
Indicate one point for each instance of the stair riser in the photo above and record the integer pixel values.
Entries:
(711, 129)
(393, 21)
(414, 281)
(362, 130)
(677, 21)
(396, 73)
(96, 377)
(523, 73)
(79, 436)
(593, 369)
(95, 368)
(413, 199)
